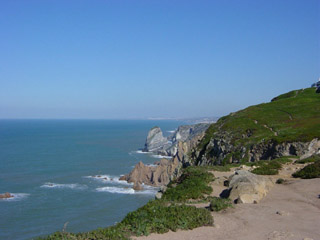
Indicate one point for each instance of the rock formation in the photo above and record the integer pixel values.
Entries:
(6, 195)
(155, 140)
(158, 144)
(153, 175)
(246, 187)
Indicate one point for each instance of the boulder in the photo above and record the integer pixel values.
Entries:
(246, 187)
(6, 195)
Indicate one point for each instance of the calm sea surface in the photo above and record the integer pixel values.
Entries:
(52, 168)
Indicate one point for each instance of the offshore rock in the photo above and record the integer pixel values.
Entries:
(137, 186)
(153, 175)
(6, 195)
(246, 187)
(155, 140)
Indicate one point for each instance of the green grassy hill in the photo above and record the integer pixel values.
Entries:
(290, 117)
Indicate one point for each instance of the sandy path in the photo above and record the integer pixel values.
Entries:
(298, 217)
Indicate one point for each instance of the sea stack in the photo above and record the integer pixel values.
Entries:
(155, 140)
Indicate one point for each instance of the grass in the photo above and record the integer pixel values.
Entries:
(218, 204)
(294, 116)
(311, 159)
(192, 184)
(310, 171)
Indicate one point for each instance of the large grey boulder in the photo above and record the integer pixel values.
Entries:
(155, 140)
(246, 187)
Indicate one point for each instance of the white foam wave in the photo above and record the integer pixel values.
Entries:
(70, 186)
(171, 131)
(161, 156)
(141, 152)
(147, 190)
(116, 190)
(151, 165)
(108, 179)
(16, 197)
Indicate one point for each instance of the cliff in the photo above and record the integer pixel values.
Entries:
(289, 125)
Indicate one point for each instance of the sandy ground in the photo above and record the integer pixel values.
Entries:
(290, 211)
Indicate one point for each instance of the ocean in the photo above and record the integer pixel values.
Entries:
(66, 173)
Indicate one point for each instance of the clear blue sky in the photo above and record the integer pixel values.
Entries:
(148, 58)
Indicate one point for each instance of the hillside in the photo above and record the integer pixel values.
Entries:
(284, 126)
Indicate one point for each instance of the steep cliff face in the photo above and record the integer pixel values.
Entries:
(288, 125)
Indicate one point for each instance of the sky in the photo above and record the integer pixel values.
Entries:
(124, 59)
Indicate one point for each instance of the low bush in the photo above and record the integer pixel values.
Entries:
(280, 181)
(311, 159)
(271, 167)
(192, 184)
(309, 171)
(157, 217)
(218, 204)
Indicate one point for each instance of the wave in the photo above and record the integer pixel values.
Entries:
(70, 186)
(171, 131)
(161, 156)
(141, 152)
(109, 179)
(116, 190)
(16, 197)
(151, 165)
(147, 190)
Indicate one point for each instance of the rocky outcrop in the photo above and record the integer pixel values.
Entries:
(155, 141)
(6, 195)
(169, 146)
(274, 150)
(246, 187)
(220, 149)
(153, 175)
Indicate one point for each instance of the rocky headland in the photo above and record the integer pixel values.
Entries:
(251, 158)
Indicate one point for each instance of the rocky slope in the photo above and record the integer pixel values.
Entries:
(288, 125)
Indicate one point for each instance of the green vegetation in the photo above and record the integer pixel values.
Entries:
(309, 171)
(192, 184)
(270, 167)
(157, 217)
(293, 116)
(218, 204)
(311, 159)
(280, 181)
(154, 217)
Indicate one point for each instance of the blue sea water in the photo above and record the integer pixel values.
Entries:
(56, 170)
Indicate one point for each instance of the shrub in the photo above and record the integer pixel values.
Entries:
(218, 204)
(270, 167)
(310, 171)
(311, 159)
(192, 184)
(280, 181)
